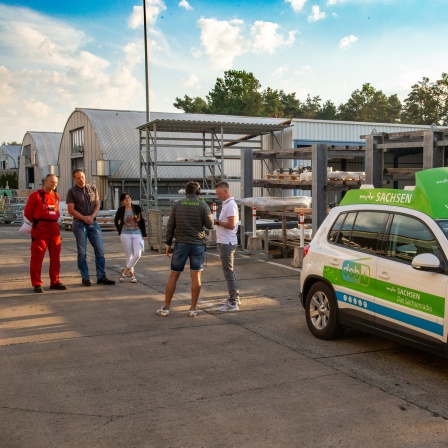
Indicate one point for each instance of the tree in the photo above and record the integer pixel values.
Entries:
(421, 106)
(192, 105)
(328, 111)
(236, 94)
(311, 107)
(442, 93)
(292, 107)
(9, 179)
(369, 104)
(272, 103)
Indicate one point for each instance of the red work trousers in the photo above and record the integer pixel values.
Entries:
(45, 235)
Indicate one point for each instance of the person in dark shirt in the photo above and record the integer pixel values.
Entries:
(83, 204)
(187, 222)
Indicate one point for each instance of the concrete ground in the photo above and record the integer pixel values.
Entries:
(95, 367)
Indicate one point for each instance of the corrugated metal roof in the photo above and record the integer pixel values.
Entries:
(47, 145)
(13, 151)
(200, 123)
(118, 135)
(342, 132)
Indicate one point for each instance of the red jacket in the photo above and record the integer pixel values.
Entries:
(42, 206)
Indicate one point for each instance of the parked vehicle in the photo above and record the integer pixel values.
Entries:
(379, 263)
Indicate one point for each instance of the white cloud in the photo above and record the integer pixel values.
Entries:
(46, 72)
(280, 71)
(196, 52)
(192, 81)
(347, 41)
(305, 70)
(266, 39)
(136, 18)
(186, 5)
(297, 5)
(222, 41)
(153, 9)
(316, 14)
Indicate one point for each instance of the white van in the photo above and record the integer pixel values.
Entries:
(379, 263)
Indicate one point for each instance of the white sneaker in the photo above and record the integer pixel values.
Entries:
(237, 300)
(229, 307)
(163, 312)
(133, 279)
(193, 312)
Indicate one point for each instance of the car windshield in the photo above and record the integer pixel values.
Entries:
(443, 224)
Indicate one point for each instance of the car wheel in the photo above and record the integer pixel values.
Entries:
(321, 312)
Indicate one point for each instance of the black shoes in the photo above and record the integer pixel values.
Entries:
(58, 286)
(38, 289)
(101, 281)
(105, 281)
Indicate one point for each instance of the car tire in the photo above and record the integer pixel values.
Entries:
(321, 311)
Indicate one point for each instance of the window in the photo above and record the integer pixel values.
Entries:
(367, 229)
(77, 141)
(409, 237)
(27, 153)
(359, 230)
(335, 234)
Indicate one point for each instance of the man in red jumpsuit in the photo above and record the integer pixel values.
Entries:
(42, 210)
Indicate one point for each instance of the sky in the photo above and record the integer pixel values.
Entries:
(56, 56)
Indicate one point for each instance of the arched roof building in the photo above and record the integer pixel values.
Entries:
(39, 157)
(105, 144)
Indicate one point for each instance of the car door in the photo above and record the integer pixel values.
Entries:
(352, 264)
(410, 302)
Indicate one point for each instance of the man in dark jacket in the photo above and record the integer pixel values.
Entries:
(187, 223)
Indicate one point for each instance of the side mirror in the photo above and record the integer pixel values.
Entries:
(427, 262)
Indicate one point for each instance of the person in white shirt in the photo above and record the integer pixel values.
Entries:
(226, 227)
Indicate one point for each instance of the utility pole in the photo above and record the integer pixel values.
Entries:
(146, 61)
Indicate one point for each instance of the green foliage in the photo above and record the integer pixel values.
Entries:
(191, 105)
(236, 94)
(239, 93)
(292, 106)
(328, 111)
(369, 104)
(427, 103)
(10, 179)
(272, 103)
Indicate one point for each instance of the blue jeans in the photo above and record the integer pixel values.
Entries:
(93, 232)
(226, 253)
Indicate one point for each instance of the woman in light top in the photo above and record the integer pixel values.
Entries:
(131, 227)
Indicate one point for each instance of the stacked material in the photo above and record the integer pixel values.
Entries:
(306, 176)
(287, 203)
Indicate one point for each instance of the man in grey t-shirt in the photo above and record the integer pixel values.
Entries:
(83, 204)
